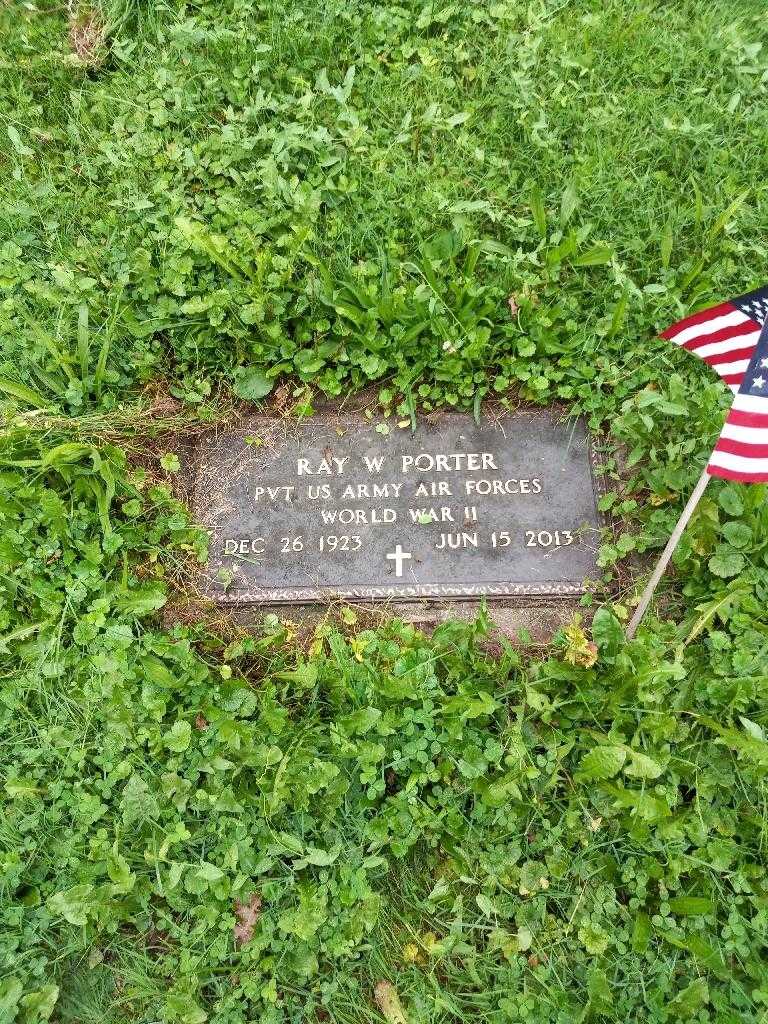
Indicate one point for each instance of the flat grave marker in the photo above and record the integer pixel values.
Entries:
(330, 507)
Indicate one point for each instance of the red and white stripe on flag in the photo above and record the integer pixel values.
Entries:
(741, 453)
(733, 339)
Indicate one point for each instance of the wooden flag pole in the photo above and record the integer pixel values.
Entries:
(658, 572)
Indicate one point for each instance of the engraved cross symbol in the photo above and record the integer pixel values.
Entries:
(398, 556)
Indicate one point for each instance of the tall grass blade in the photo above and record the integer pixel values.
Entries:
(568, 204)
(727, 214)
(536, 203)
(666, 243)
(83, 344)
(410, 405)
(15, 390)
(101, 362)
(619, 314)
(60, 356)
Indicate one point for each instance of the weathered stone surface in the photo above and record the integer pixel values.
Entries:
(332, 508)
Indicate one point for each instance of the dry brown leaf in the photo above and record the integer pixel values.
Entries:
(388, 1001)
(201, 722)
(281, 397)
(513, 306)
(87, 35)
(247, 915)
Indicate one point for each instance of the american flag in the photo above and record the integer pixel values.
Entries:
(733, 339)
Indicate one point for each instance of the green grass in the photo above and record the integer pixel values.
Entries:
(321, 155)
(237, 199)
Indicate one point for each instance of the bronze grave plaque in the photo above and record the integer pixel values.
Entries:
(331, 507)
